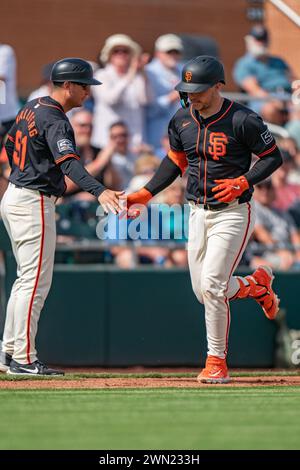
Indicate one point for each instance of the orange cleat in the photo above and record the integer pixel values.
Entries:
(215, 371)
(263, 292)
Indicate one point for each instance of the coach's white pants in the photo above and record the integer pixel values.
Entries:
(29, 219)
(217, 240)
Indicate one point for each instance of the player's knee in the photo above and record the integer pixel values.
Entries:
(198, 292)
(27, 284)
(212, 287)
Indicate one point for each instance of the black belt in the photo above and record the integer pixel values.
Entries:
(46, 194)
(41, 192)
(214, 207)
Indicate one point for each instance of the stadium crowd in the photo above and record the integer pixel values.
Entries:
(121, 135)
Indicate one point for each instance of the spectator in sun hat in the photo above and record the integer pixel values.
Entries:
(163, 73)
(124, 92)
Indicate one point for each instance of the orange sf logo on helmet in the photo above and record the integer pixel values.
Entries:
(188, 76)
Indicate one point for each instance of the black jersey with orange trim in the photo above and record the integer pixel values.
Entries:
(218, 147)
(39, 140)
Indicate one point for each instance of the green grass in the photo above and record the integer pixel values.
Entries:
(153, 375)
(208, 418)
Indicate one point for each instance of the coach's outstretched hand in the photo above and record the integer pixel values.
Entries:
(111, 201)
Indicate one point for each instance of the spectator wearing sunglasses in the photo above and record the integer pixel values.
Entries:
(163, 73)
(95, 163)
(124, 93)
(117, 152)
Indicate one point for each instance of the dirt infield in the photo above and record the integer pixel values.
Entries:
(145, 382)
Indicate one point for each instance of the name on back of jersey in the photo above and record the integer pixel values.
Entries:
(28, 115)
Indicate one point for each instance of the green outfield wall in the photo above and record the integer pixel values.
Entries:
(102, 316)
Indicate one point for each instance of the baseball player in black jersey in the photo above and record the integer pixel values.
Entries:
(41, 149)
(214, 139)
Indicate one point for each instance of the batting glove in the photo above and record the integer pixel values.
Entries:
(230, 189)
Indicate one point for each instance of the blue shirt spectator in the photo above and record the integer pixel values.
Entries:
(271, 73)
(259, 73)
(163, 74)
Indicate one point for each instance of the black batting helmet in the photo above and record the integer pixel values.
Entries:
(73, 70)
(201, 73)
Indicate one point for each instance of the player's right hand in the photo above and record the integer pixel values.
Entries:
(111, 201)
(230, 189)
(141, 197)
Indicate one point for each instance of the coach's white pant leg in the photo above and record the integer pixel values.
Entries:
(196, 247)
(8, 333)
(228, 232)
(8, 343)
(32, 224)
(36, 259)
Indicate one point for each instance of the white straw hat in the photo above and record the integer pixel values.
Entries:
(118, 40)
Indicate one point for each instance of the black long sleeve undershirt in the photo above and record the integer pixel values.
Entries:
(78, 174)
(164, 176)
(264, 167)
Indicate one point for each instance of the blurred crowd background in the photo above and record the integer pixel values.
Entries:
(121, 135)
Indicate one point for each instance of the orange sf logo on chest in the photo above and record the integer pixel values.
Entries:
(217, 147)
(188, 76)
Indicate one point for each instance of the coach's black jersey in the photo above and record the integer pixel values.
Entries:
(40, 139)
(217, 147)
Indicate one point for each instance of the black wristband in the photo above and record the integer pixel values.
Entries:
(164, 176)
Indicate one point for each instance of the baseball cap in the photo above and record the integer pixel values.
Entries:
(168, 42)
(260, 33)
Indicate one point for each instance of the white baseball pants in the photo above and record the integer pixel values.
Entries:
(217, 240)
(29, 218)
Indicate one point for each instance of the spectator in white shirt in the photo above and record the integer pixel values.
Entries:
(8, 94)
(124, 92)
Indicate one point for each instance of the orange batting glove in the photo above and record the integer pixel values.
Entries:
(142, 197)
(230, 189)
